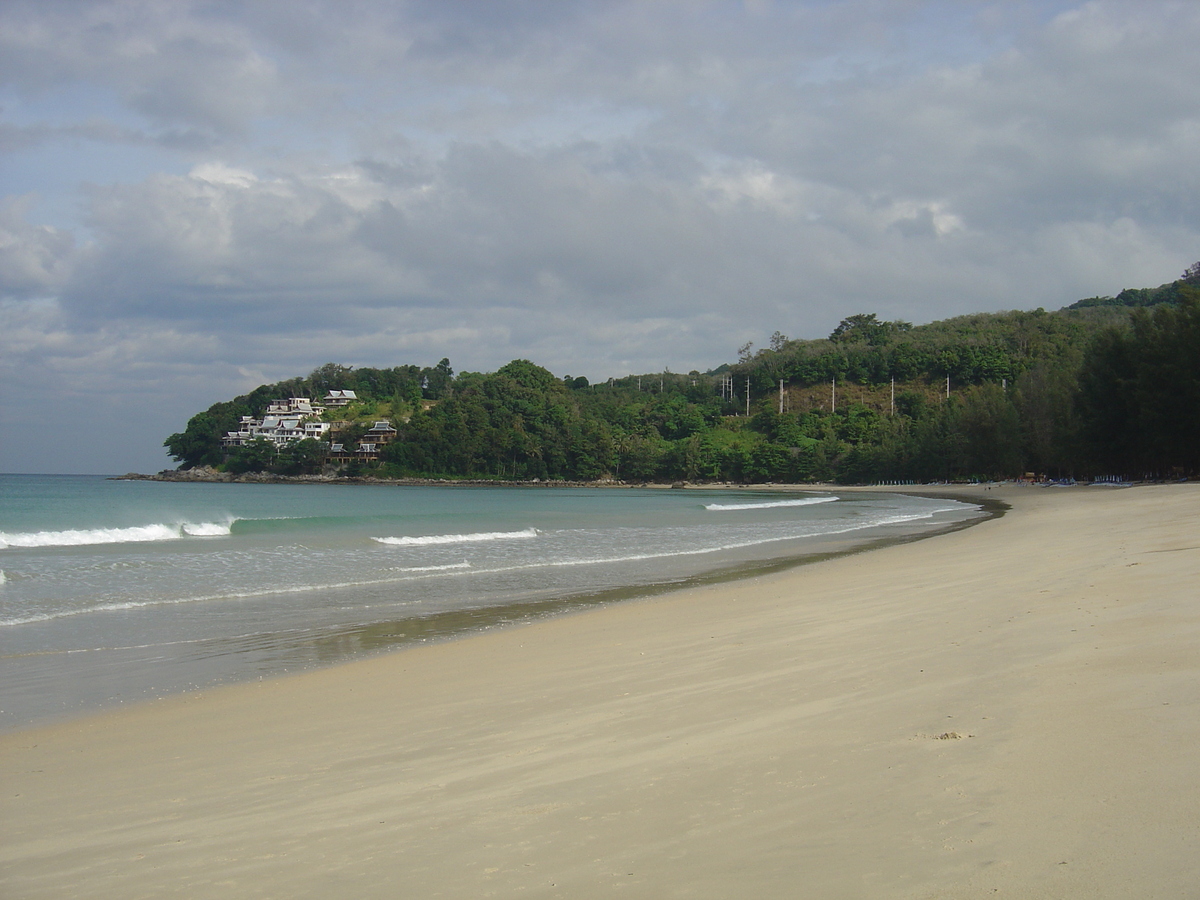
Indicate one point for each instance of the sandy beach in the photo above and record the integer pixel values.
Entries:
(1008, 710)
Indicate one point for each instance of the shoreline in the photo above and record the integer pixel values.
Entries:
(212, 664)
(209, 475)
(1010, 708)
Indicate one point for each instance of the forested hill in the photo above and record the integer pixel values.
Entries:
(1105, 386)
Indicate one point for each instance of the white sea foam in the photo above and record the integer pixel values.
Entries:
(80, 537)
(769, 504)
(412, 572)
(846, 528)
(2, 578)
(417, 569)
(431, 539)
(208, 529)
(136, 534)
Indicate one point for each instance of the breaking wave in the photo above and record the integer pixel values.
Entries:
(432, 539)
(136, 534)
(770, 504)
(207, 529)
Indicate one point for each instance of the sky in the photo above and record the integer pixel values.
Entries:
(200, 197)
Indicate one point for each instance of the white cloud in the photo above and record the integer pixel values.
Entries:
(217, 173)
(34, 259)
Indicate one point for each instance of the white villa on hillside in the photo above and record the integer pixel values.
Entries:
(340, 398)
(296, 406)
(295, 419)
(284, 421)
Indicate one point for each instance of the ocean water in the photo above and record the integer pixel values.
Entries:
(118, 591)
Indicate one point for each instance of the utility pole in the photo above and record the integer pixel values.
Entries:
(947, 387)
(893, 395)
(747, 396)
(833, 394)
(781, 396)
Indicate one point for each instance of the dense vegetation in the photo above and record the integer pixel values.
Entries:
(1105, 386)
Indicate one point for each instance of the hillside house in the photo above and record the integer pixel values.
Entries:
(296, 406)
(366, 452)
(286, 421)
(380, 433)
(369, 445)
(340, 398)
(278, 428)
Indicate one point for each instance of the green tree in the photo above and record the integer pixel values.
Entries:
(200, 443)
(438, 380)
(1140, 391)
(991, 428)
(301, 457)
(768, 462)
(256, 455)
(1045, 400)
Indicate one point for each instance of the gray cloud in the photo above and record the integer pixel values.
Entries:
(602, 187)
(165, 60)
(34, 259)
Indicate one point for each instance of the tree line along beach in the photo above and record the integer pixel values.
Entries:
(1101, 388)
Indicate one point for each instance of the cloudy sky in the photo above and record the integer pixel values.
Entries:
(199, 197)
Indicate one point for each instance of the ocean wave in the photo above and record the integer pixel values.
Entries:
(573, 554)
(824, 532)
(431, 539)
(136, 534)
(208, 529)
(413, 572)
(769, 504)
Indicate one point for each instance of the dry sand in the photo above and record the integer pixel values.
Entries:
(1011, 710)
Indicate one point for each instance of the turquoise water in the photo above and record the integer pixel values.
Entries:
(115, 591)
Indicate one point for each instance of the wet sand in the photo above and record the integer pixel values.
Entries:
(1008, 710)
